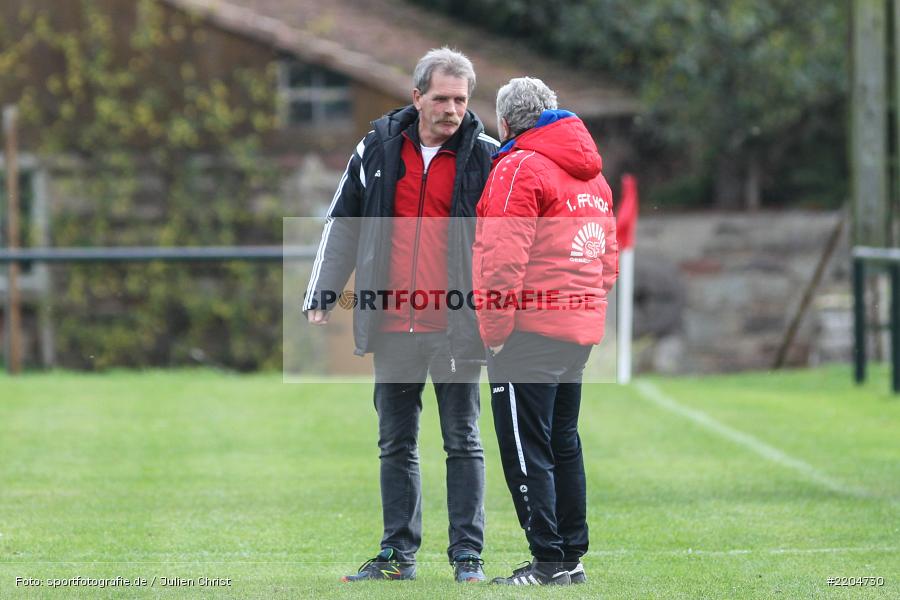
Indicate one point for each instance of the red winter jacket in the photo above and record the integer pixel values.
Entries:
(419, 238)
(545, 252)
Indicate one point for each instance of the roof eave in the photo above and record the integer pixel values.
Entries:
(282, 37)
(360, 67)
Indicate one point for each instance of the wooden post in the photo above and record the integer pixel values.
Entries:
(894, 5)
(14, 309)
(868, 143)
(810, 291)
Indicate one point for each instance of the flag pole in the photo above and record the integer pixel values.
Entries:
(625, 230)
(625, 302)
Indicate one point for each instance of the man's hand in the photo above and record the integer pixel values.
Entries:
(495, 350)
(317, 317)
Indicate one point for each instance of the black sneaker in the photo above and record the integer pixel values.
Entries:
(468, 567)
(383, 566)
(576, 571)
(537, 573)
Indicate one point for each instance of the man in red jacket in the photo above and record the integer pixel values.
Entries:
(543, 262)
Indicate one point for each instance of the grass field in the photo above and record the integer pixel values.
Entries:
(750, 486)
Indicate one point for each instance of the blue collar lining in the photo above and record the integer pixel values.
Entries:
(547, 117)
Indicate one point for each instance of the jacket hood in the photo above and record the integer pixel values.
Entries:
(562, 137)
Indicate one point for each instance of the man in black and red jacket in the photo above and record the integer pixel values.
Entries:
(544, 260)
(403, 218)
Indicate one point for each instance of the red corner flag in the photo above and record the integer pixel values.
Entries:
(626, 221)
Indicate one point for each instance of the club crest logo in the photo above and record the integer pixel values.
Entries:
(588, 244)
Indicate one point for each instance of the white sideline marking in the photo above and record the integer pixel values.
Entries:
(743, 551)
(655, 395)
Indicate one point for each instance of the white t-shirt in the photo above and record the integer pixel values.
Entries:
(428, 154)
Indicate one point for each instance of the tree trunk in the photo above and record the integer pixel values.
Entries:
(738, 182)
(729, 189)
(752, 192)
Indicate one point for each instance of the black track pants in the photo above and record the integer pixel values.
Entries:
(536, 421)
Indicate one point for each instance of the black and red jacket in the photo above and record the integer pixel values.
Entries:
(546, 237)
(419, 245)
(379, 189)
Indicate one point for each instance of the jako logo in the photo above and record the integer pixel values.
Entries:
(588, 244)
(499, 389)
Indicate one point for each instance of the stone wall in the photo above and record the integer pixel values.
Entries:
(716, 292)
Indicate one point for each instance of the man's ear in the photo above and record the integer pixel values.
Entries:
(417, 98)
(504, 130)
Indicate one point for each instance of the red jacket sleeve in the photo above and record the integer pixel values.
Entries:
(507, 219)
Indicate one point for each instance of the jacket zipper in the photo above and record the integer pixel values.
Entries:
(415, 258)
(454, 208)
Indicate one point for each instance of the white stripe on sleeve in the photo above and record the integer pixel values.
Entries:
(486, 138)
(320, 253)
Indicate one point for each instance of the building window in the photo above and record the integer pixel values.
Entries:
(312, 95)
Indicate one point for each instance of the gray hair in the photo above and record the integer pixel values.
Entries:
(447, 61)
(521, 102)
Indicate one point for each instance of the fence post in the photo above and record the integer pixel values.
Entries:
(13, 309)
(859, 319)
(895, 327)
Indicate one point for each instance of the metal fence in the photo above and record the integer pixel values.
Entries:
(183, 254)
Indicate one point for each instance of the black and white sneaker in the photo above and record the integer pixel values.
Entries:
(537, 573)
(576, 571)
